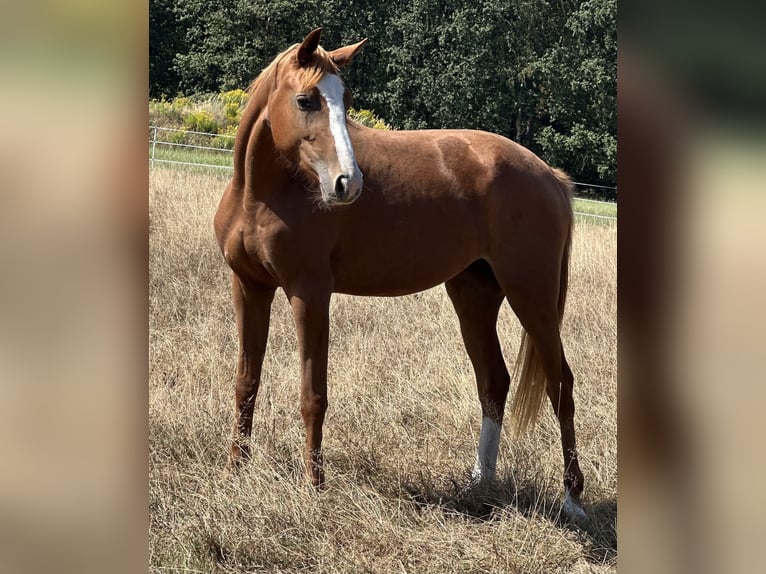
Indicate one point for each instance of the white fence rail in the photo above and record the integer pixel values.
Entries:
(170, 145)
(165, 144)
(595, 215)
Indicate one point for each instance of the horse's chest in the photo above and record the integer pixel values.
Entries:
(273, 252)
(249, 253)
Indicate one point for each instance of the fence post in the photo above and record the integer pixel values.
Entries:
(154, 144)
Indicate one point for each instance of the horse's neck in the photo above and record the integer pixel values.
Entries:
(257, 169)
(246, 124)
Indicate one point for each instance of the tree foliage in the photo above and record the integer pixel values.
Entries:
(166, 39)
(541, 72)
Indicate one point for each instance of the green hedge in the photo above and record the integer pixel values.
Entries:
(218, 114)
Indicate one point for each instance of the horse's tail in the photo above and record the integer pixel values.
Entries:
(530, 393)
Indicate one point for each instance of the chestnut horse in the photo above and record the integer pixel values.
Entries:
(319, 204)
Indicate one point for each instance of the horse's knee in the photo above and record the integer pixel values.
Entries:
(245, 389)
(313, 408)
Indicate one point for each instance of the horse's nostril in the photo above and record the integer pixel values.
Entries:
(340, 186)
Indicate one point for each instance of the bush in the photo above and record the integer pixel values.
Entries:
(233, 103)
(201, 121)
(220, 114)
(368, 118)
(179, 137)
(226, 139)
(164, 114)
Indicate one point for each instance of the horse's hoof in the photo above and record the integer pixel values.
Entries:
(572, 508)
(238, 456)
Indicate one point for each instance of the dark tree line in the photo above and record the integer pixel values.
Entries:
(541, 72)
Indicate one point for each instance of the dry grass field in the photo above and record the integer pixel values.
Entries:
(400, 433)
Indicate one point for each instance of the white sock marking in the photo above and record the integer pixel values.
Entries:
(571, 508)
(486, 454)
(331, 88)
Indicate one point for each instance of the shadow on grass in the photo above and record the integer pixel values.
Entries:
(485, 502)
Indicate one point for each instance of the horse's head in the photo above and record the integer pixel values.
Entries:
(307, 113)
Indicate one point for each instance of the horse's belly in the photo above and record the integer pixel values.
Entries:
(397, 247)
(390, 287)
(399, 273)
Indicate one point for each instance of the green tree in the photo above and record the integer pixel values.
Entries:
(445, 63)
(542, 72)
(166, 39)
(578, 105)
(230, 41)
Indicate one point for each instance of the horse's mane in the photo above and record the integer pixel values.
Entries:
(319, 64)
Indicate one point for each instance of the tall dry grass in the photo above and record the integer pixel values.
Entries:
(400, 433)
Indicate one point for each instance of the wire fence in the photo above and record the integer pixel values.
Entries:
(215, 151)
(190, 148)
(606, 218)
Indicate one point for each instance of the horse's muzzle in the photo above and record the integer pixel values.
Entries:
(346, 190)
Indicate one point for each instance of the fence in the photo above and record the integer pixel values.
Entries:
(186, 147)
(196, 149)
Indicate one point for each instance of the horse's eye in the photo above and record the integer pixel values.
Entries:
(304, 102)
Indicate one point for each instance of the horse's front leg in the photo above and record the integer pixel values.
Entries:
(252, 305)
(310, 304)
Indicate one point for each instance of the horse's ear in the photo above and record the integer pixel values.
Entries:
(309, 46)
(344, 55)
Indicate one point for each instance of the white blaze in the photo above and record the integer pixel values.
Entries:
(486, 454)
(332, 90)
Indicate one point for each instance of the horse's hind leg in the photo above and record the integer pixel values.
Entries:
(563, 405)
(252, 306)
(536, 308)
(477, 297)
